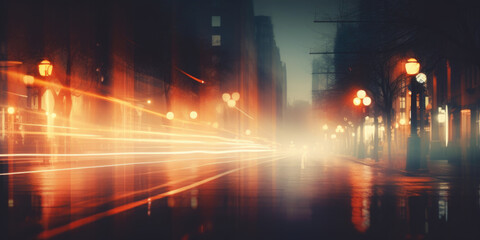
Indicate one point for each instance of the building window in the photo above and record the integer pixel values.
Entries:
(216, 21)
(216, 40)
(402, 103)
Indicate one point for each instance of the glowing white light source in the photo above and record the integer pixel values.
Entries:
(10, 110)
(193, 115)
(325, 127)
(361, 94)
(402, 121)
(248, 132)
(215, 125)
(357, 101)
(236, 96)
(170, 116)
(54, 115)
(149, 101)
(421, 78)
(367, 101)
(231, 103)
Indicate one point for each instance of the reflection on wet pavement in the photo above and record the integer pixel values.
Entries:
(252, 196)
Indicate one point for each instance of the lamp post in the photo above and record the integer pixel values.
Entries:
(412, 68)
(45, 68)
(364, 101)
(422, 80)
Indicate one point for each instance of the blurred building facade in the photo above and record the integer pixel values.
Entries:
(272, 79)
(113, 59)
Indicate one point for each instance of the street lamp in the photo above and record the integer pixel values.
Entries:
(193, 115)
(225, 97)
(236, 96)
(11, 110)
(45, 68)
(231, 103)
(412, 67)
(170, 115)
(364, 101)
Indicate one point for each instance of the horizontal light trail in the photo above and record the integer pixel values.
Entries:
(81, 222)
(43, 125)
(119, 164)
(150, 140)
(51, 133)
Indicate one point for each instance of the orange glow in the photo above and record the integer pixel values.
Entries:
(45, 68)
(412, 66)
(28, 80)
(357, 101)
(190, 76)
(367, 101)
(361, 94)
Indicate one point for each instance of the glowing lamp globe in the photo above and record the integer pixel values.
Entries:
(225, 97)
(10, 110)
(361, 94)
(45, 68)
(193, 115)
(170, 115)
(421, 78)
(412, 66)
(28, 80)
(236, 96)
(367, 101)
(231, 103)
(357, 101)
(248, 132)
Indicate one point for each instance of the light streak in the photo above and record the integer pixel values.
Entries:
(43, 125)
(51, 133)
(243, 112)
(113, 154)
(190, 76)
(81, 222)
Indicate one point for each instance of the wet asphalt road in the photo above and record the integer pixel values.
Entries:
(233, 196)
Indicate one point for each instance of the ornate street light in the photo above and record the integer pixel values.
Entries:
(412, 67)
(362, 100)
(45, 68)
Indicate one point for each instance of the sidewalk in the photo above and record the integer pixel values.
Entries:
(435, 168)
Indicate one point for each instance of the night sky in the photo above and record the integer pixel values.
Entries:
(296, 34)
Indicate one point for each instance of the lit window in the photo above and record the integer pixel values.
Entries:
(216, 40)
(402, 103)
(216, 21)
